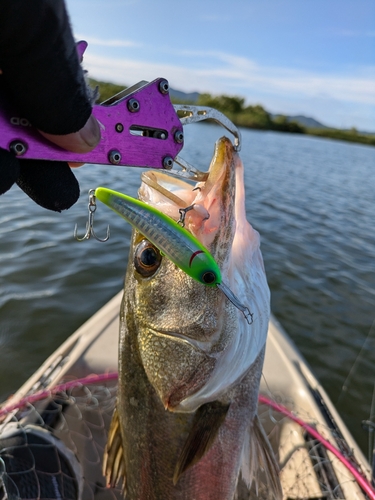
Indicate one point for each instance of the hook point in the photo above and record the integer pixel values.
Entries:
(90, 223)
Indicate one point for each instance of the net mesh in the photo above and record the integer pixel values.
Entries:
(53, 448)
(77, 420)
(308, 471)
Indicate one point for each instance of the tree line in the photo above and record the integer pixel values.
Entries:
(250, 116)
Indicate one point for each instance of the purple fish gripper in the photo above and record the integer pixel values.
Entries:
(139, 128)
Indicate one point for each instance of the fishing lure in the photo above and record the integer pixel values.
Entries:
(172, 240)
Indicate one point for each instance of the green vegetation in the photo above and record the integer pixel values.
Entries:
(106, 90)
(248, 116)
(343, 135)
(255, 117)
(258, 118)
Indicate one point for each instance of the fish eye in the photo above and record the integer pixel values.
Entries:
(147, 259)
(209, 277)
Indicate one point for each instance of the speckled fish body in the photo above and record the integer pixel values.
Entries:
(185, 425)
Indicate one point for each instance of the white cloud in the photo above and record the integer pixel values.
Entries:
(237, 72)
(225, 73)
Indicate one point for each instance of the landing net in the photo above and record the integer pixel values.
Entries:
(52, 444)
(74, 417)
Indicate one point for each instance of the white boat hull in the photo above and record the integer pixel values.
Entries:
(308, 470)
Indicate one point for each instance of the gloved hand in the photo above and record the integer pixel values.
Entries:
(42, 79)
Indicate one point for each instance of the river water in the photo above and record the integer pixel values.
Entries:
(311, 199)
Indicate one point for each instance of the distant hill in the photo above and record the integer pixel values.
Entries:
(183, 96)
(192, 97)
(305, 121)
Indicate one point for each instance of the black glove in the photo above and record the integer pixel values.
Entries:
(43, 81)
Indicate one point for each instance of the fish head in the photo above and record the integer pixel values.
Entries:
(193, 343)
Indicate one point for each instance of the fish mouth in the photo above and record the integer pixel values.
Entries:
(176, 366)
(212, 200)
(196, 344)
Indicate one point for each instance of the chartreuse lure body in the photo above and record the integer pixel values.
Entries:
(172, 240)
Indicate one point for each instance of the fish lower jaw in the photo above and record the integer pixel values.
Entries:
(168, 406)
(177, 407)
(204, 346)
(176, 367)
(173, 404)
(175, 396)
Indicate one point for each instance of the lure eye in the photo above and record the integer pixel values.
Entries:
(147, 259)
(209, 277)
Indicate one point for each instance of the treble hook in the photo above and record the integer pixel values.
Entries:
(182, 212)
(90, 223)
(195, 206)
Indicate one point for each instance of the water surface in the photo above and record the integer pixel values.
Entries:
(311, 199)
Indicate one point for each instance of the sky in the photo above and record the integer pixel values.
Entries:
(310, 57)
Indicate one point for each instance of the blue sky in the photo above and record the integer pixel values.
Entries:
(312, 57)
